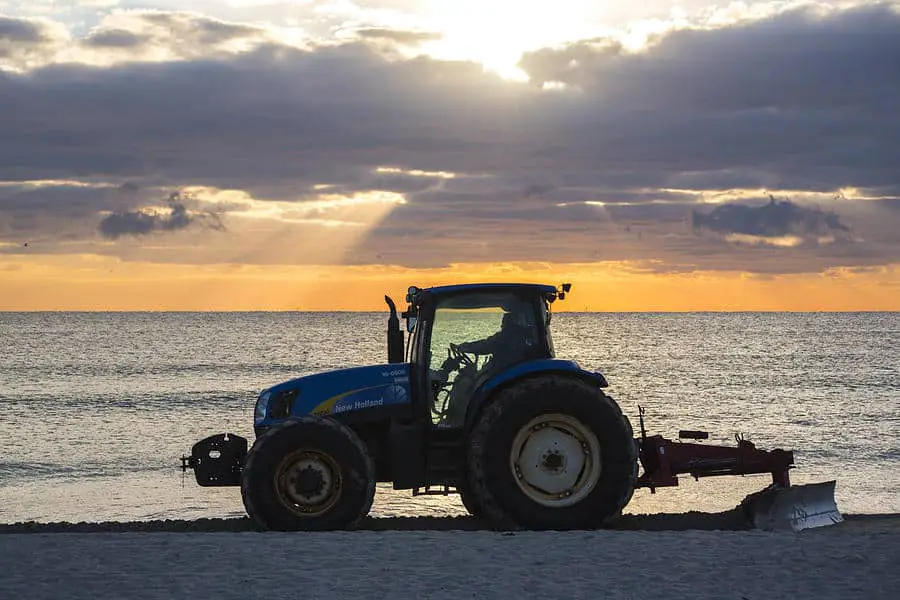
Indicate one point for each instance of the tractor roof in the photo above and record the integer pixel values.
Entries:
(549, 291)
(473, 287)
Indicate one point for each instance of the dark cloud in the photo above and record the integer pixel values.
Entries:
(778, 218)
(572, 63)
(115, 38)
(398, 35)
(25, 41)
(892, 203)
(797, 101)
(800, 59)
(20, 30)
(204, 30)
(67, 201)
(130, 35)
(276, 115)
(143, 222)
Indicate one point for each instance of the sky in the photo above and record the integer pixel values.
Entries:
(317, 154)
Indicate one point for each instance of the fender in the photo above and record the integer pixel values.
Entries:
(527, 369)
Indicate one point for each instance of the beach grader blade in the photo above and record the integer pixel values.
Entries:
(794, 508)
(473, 400)
(780, 506)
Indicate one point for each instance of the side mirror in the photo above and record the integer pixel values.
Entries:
(412, 316)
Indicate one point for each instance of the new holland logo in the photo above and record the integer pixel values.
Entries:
(358, 404)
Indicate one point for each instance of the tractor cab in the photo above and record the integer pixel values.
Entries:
(462, 336)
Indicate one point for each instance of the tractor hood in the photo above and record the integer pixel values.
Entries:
(334, 392)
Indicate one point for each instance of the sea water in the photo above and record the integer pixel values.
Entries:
(97, 408)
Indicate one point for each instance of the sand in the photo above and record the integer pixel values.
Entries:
(449, 558)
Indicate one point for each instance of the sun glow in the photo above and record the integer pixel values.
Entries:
(496, 33)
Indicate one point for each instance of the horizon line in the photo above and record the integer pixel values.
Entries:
(372, 311)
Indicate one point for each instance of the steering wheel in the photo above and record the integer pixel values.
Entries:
(459, 355)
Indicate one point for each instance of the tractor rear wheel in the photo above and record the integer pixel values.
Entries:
(552, 452)
(309, 473)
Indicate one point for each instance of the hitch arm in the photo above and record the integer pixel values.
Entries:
(663, 460)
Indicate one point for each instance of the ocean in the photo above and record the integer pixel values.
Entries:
(97, 408)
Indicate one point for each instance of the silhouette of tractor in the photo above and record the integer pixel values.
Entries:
(474, 401)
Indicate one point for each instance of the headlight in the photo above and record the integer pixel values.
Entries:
(280, 403)
(262, 404)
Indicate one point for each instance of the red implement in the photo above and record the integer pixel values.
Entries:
(779, 506)
(663, 460)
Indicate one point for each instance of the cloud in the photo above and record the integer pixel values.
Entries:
(785, 60)
(20, 30)
(780, 219)
(143, 222)
(25, 43)
(608, 167)
(133, 35)
(398, 35)
(116, 38)
(123, 36)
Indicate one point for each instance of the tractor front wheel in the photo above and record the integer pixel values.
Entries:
(310, 473)
(552, 452)
(468, 499)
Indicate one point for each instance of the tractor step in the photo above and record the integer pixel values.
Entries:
(438, 490)
(445, 459)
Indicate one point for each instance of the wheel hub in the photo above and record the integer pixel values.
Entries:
(555, 460)
(308, 482)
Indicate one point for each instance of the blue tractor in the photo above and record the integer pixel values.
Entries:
(473, 401)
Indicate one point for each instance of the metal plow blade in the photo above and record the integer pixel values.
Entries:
(793, 508)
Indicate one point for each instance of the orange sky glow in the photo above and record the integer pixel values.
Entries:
(92, 283)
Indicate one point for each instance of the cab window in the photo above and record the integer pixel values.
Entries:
(472, 338)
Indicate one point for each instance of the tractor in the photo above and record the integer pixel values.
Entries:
(473, 400)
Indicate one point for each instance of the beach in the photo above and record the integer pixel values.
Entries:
(434, 558)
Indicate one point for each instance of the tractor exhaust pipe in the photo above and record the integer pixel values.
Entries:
(394, 334)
